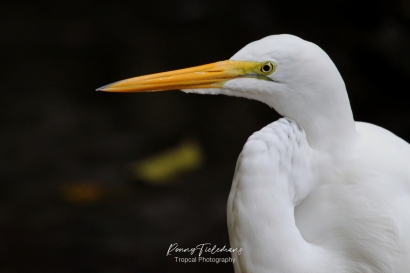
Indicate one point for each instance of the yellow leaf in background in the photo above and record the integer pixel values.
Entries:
(166, 166)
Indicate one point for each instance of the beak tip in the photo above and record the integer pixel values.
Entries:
(103, 88)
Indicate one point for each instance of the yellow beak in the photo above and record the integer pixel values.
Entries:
(212, 75)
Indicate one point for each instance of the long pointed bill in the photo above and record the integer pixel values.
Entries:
(205, 76)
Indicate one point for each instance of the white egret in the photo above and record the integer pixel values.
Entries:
(314, 191)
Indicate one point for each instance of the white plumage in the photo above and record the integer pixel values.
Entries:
(314, 192)
(354, 219)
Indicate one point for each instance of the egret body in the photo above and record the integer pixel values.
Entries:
(314, 191)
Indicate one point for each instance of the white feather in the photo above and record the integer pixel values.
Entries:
(315, 192)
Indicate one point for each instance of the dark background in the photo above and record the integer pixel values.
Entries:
(58, 135)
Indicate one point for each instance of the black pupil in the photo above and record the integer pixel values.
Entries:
(266, 68)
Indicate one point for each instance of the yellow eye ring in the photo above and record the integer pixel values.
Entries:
(267, 68)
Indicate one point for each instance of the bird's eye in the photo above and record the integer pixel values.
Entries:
(267, 68)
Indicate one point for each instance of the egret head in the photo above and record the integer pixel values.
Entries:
(294, 76)
(287, 73)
